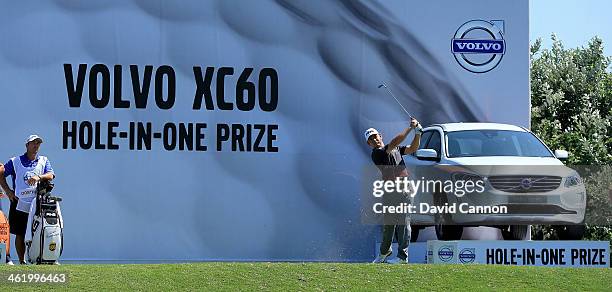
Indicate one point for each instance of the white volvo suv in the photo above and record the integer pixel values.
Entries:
(517, 172)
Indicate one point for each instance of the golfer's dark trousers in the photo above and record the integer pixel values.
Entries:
(397, 225)
(402, 235)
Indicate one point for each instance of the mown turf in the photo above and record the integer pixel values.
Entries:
(317, 276)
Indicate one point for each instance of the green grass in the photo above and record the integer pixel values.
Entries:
(317, 276)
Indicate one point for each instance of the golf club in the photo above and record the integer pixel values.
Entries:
(392, 95)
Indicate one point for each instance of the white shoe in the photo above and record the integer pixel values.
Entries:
(398, 261)
(10, 263)
(382, 258)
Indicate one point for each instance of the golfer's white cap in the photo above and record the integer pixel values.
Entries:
(33, 137)
(369, 132)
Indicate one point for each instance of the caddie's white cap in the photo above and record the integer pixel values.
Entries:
(33, 137)
(369, 132)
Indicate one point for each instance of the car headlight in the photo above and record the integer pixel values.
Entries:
(573, 180)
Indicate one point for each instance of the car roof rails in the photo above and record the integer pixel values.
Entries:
(437, 125)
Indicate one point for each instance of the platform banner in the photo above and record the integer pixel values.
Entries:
(520, 253)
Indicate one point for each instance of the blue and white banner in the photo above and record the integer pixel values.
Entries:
(520, 253)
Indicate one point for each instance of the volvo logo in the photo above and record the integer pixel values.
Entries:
(526, 183)
(445, 253)
(478, 45)
(467, 255)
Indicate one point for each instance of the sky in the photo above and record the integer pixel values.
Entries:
(574, 22)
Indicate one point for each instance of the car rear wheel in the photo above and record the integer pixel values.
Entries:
(515, 232)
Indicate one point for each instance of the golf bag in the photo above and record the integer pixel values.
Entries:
(45, 227)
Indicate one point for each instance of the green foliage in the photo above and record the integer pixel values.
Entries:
(599, 200)
(571, 109)
(571, 100)
(599, 210)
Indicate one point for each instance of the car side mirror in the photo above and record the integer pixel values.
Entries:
(427, 154)
(561, 154)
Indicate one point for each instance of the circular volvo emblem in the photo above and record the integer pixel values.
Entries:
(467, 255)
(526, 183)
(478, 46)
(445, 253)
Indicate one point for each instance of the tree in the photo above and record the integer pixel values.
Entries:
(571, 100)
(571, 109)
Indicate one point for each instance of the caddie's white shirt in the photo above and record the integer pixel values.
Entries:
(23, 191)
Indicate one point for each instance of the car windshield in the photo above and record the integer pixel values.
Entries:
(495, 143)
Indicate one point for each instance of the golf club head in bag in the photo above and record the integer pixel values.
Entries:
(44, 187)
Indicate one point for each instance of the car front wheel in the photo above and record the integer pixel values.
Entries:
(449, 232)
(571, 232)
(414, 234)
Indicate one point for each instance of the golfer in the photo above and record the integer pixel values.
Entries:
(388, 158)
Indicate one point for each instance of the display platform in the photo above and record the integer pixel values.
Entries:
(555, 253)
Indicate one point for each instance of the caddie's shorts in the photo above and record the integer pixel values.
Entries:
(18, 220)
